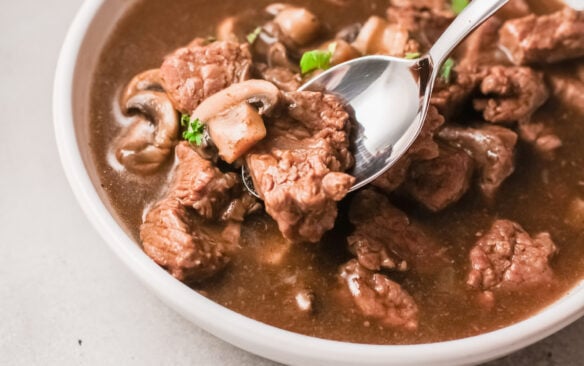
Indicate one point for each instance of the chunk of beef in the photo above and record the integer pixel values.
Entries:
(440, 182)
(384, 237)
(395, 176)
(434, 5)
(203, 187)
(193, 73)
(545, 38)
(507, 257)
(377, 297)
(188, 248)
(424, 20)
(515, 9)
(480, 48)
(298, 169)
(492, 149)
(568, 89)
(424, 148)
(450, 97)
(517, 93)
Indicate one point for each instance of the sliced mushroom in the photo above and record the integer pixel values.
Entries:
(148, 141)
(343, 51)
(377, 36)
(147, 80)
(226, 29)
(233, 124)
(299, 25)
(256, 92)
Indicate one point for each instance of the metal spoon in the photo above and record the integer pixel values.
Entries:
(390, 96)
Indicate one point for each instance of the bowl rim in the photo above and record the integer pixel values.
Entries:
(246, 333)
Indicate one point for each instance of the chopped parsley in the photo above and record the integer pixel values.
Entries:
(446, 70)
(195, 129)
(413, 55)
(317, 59)
(459, 5)
(251, 38)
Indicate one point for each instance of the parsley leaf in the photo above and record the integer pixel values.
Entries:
(446, 70)
(195, 129)
(413, 55)
(317, 59)
(251, 38)
(459, 5)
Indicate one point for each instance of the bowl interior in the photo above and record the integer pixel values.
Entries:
(87, 36)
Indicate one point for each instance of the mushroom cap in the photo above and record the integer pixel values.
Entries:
(147, 80)
(147, 142)
(256, 92)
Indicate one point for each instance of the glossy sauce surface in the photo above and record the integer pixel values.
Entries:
(536, 196)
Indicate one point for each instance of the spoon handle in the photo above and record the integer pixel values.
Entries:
(471, 17)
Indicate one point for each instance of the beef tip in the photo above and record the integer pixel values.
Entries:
(450, 97)
(299, 169)
(385, 238)
(514, 9)
(424, 20)
(568, 89)
(517, 92)
(507, 257)
(377, 297)
(203, 187)
(193, 73)
(424, 148)
(492, 149)
(545, 38)
(394, 177)
(440, 182)
(480, 48)
(282, 77)
(189, 249)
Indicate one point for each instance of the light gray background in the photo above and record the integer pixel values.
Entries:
(64, 298)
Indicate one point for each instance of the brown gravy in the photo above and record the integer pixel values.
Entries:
(535, 195)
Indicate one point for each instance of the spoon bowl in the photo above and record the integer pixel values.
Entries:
(389, 97)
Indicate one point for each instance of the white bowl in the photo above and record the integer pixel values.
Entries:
(78, 59)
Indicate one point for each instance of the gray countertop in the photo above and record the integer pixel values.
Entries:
(64, 298)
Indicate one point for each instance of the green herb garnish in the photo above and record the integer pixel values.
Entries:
(251, 38)
(459, 5)
(413, 55)
(195, 129)
(317, 59)
(446, 70)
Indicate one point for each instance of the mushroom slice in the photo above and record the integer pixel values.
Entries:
(298, 24)
(147, 80)
(233, 123)
(257, 92)
(226, 29)
(147, 142)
